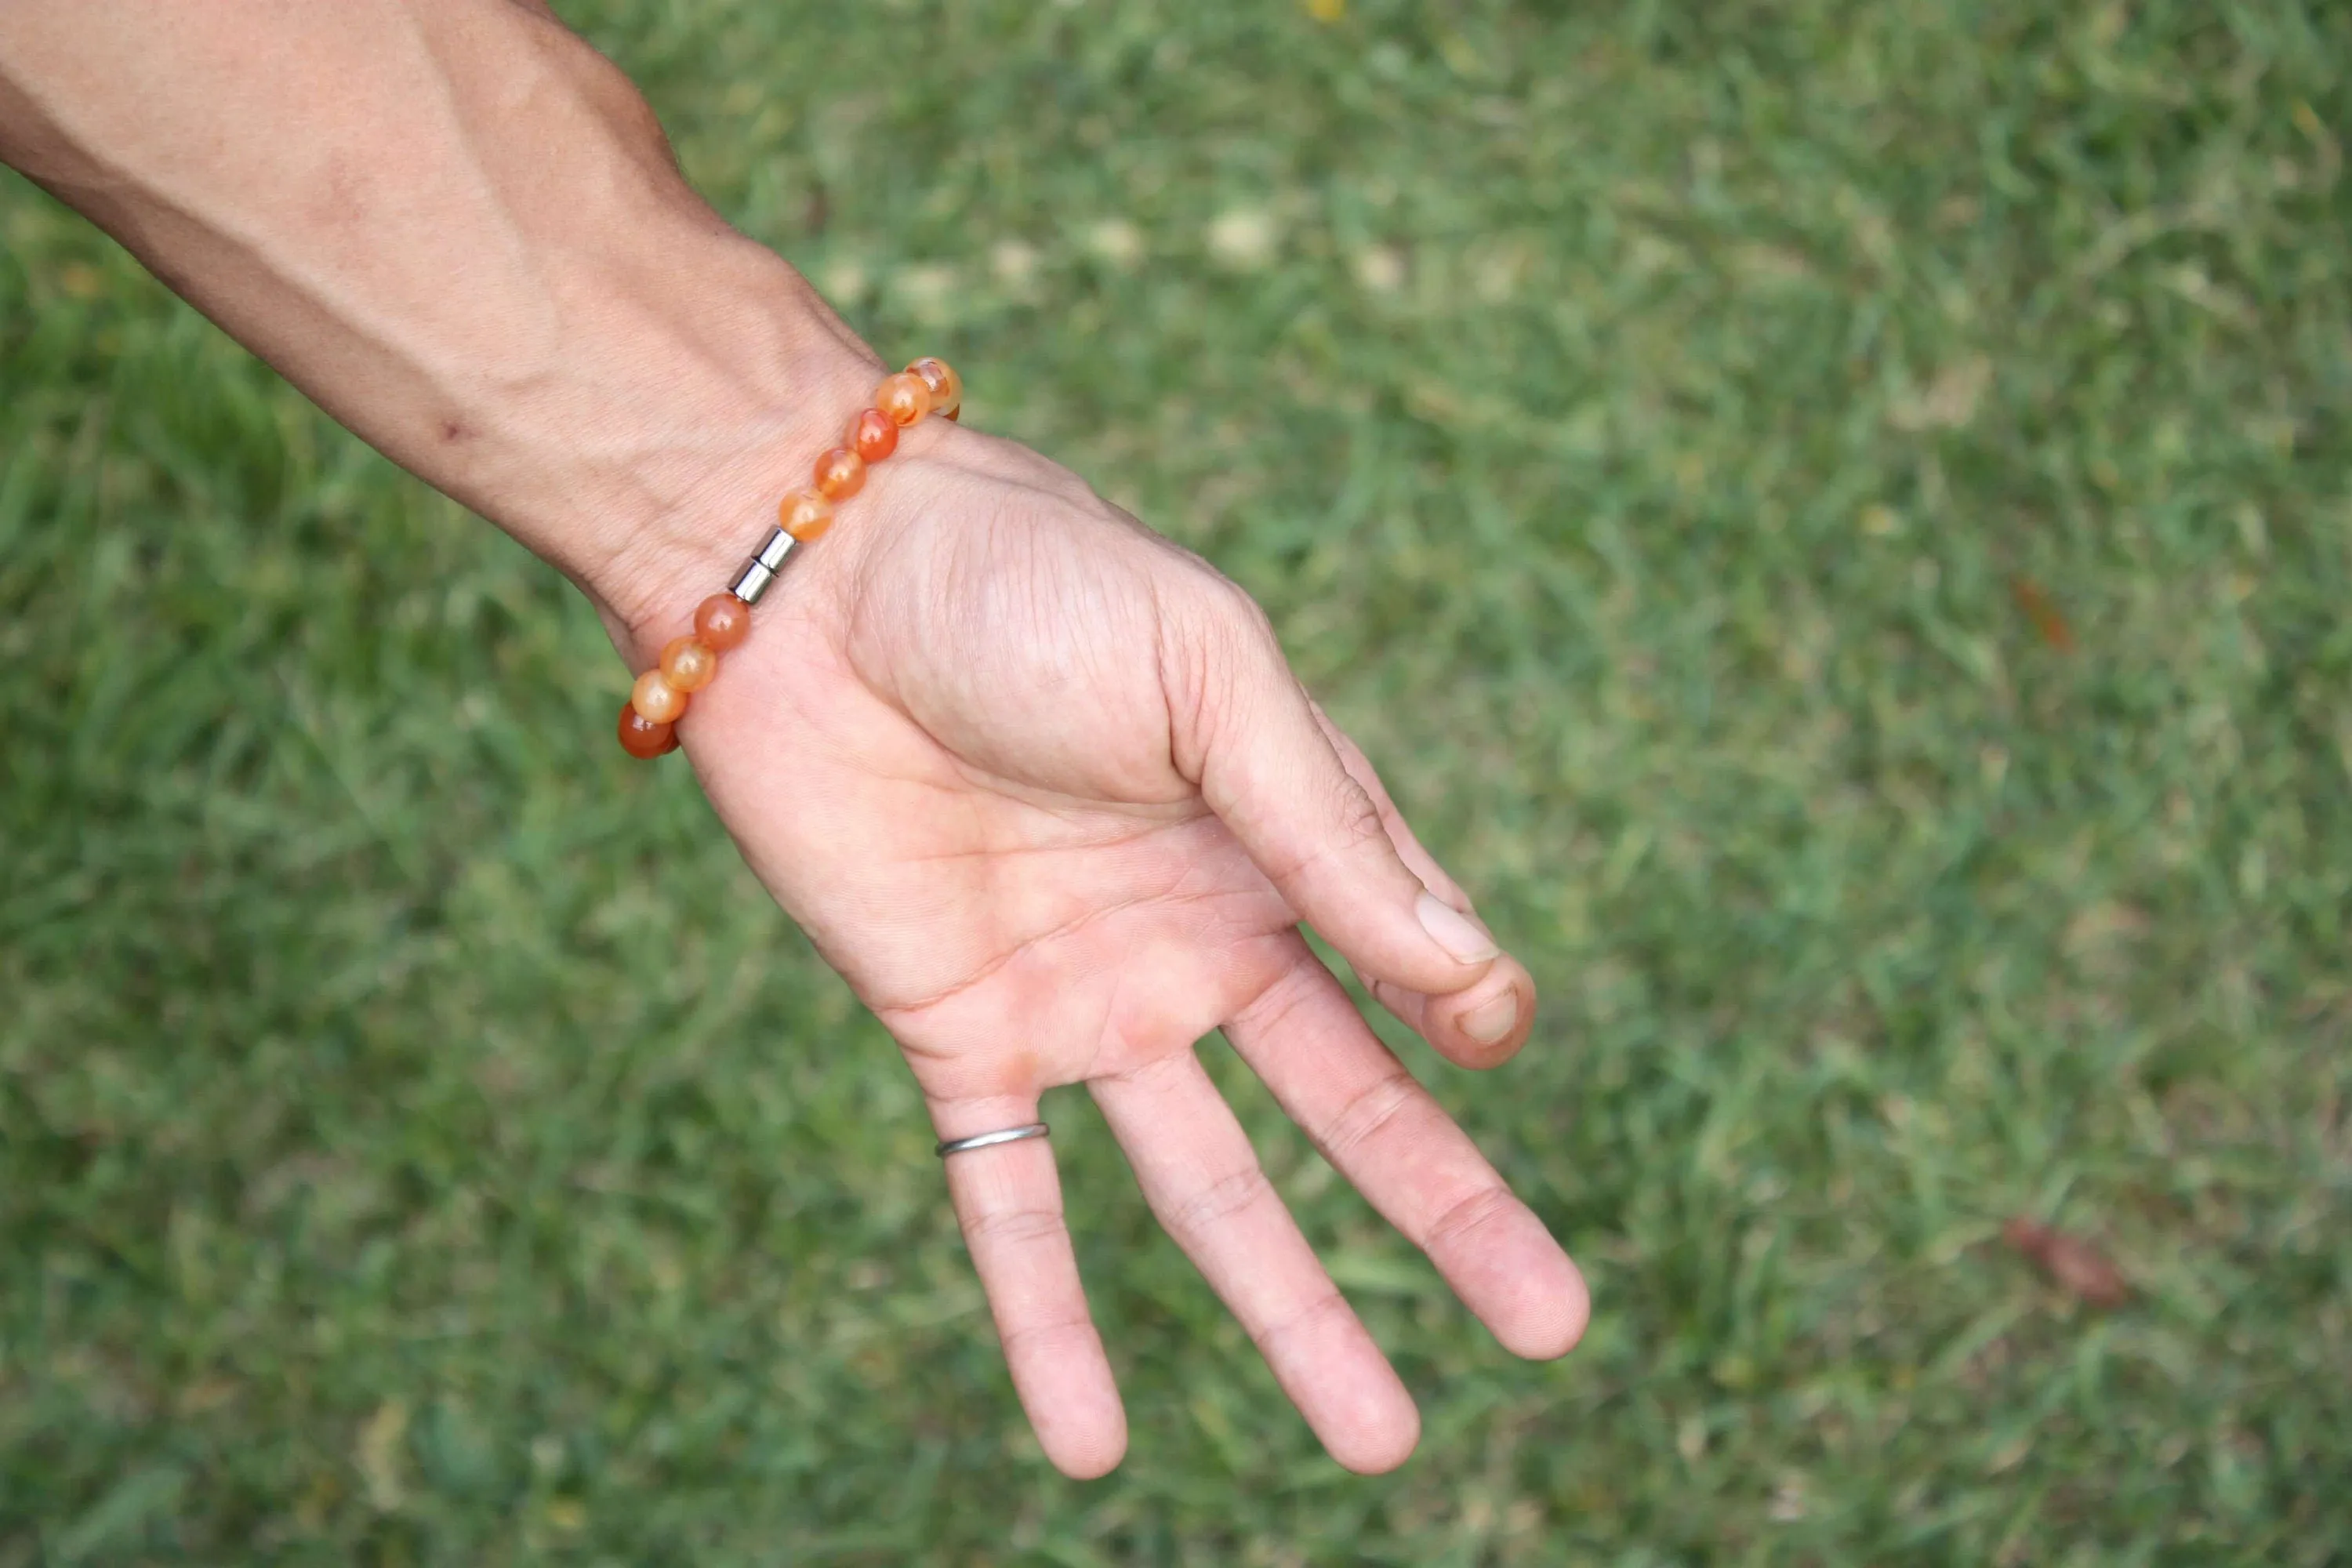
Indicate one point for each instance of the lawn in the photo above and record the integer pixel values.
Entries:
(1836, 519)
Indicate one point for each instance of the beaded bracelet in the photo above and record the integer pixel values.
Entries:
(648, 719)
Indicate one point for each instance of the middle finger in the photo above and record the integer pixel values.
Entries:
(1203, 1179)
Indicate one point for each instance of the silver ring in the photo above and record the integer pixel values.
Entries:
(987, 1140)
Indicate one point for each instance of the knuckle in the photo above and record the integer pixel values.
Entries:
(1238, 610)
(1470, 1214)
(1266, 1014)
(1369, 1113)
(1016, 1226)
(1327, 1306)
(1411, 1008)
(1065, 1333)
(1212, 673)
(1220, 1201)
(1232, 629)
(1351, 825)
(1356, 820)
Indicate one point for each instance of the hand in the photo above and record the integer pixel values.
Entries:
(1036, 782)
(1041, 785)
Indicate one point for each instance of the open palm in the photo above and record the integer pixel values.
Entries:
(1040, 784)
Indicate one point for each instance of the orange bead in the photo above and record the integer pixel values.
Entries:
(687, 664)
(872, 435)
(657, 699)
(641, 737)
(805, 515)
(945, 385)
(903, 397)
(840, 474)
(722, 621)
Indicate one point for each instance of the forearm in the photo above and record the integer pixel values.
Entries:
(460, 230)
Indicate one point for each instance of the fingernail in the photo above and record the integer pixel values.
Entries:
(1457, 936)
(1491, 1021)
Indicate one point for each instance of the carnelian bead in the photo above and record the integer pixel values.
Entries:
(904, 397)
(946, 386)
(805, 515)
(687, 664)
(872, 435)
(641, 737)
(657, 699)
(722, 621)
(840, 474)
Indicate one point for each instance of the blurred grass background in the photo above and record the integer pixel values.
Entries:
(1833, 518)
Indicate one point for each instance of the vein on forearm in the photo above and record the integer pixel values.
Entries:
(450, 222)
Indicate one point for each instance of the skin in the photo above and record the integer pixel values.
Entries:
(1038, 783)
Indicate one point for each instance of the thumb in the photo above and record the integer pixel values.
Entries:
(1244, 729)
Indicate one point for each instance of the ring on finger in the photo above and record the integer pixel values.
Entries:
(990, 1140)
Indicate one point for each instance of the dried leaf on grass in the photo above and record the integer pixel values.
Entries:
(2043, 611)
(2075, 1264)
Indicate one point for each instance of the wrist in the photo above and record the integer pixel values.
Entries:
(702, 537)
(651, 462)
(647, 574)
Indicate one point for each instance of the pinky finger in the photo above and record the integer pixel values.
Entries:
(1008, 1201)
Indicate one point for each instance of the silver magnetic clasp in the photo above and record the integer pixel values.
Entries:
(761, 569)
(751, 583)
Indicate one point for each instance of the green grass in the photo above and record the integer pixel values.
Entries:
(1664, 434)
